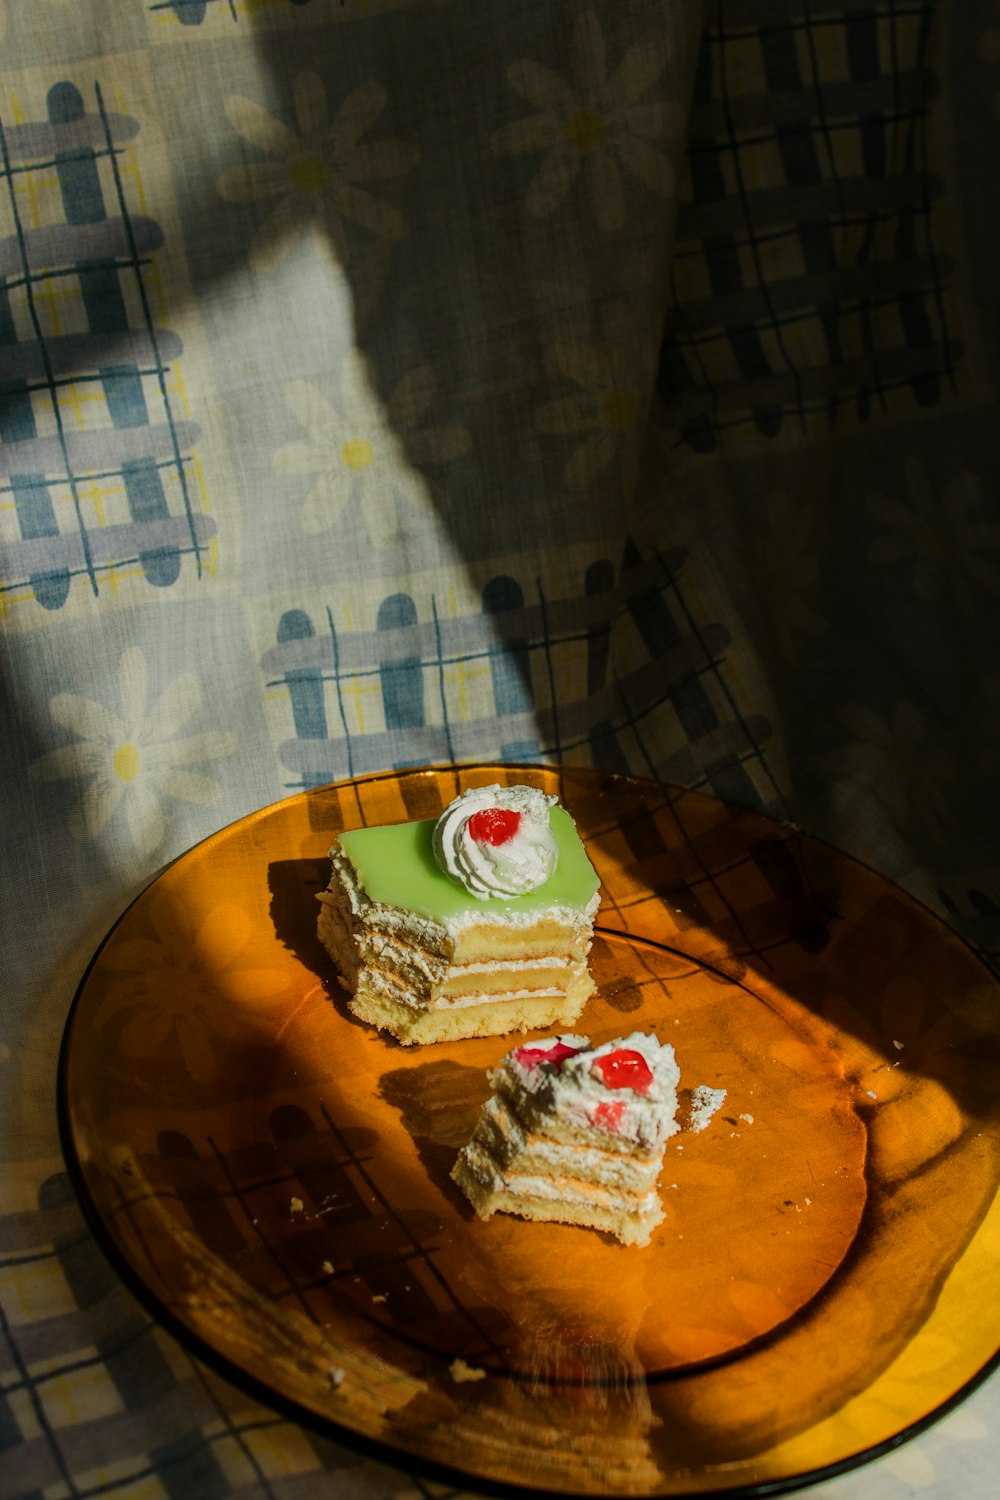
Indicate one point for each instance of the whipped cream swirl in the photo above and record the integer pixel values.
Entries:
(508, 850)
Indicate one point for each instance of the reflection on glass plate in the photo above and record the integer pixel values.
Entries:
(272, 1176)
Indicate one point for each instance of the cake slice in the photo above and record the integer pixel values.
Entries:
(475, 924)
(575, 1133)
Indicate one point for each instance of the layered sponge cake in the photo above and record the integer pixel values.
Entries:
(576, 1134)
(474, 924)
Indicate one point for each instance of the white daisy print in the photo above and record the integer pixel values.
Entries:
(940, 537)
(130, 760)
(595, 125)
(312, 174)
(613, 373)
(362, 455)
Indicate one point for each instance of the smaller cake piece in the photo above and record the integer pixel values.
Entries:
(475, 924)
(576, 1134)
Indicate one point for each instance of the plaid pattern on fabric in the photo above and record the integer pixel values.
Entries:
(529, 678)
(97, 484)
(809, 285)
(192, 12)
(77, 1384)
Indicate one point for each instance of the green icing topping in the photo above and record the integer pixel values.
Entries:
(395, 865)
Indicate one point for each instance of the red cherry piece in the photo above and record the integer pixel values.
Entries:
(530, 1057)
(494, 825)
(624, 1070)
(609, 1116)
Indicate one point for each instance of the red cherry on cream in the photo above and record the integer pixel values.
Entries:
(624, 1070)
(609, 1117)
(494, 825)
(530, 1057)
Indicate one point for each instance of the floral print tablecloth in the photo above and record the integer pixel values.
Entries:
(386, 382)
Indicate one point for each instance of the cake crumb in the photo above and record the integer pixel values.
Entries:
(747, 1118)
(297, 1205)
(898, 1046)
(871, 1093)
(705, 1102)
(380, 1297)
(336, 1376)
(328, 1267)
(462, 1373)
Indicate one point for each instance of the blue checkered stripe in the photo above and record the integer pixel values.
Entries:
(73, 1382)
(553, 693)
(95, 473)
(194, 13)
(808, 289)
(78, 1384)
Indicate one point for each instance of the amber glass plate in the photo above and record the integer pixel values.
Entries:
(272, 1176)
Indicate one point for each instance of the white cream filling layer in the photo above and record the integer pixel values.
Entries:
(501, 1137)
(389, 985)
(555, 1188)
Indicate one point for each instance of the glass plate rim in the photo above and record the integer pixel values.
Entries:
(417, 1464)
